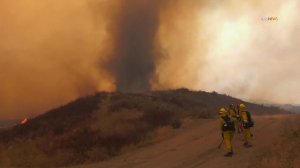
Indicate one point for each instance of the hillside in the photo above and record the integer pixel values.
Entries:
(105, 125)
(292, 108)
(5, 124)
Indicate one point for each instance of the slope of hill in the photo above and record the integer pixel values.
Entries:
(4, 124)
(292, 108)
(102, 126)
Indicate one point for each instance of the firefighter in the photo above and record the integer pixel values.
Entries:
(233, 114)
(239, 118)
(247, 124)
(228, 129)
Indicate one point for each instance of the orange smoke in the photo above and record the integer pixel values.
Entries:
(53, 51)
(181, 44)
(49, 55)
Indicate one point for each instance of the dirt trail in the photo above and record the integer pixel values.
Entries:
(195, 145)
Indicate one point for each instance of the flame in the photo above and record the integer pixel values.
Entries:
(24, 121)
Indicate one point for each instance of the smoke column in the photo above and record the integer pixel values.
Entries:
(134, 32)
(54, 51)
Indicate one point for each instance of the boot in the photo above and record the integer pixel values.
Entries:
(247, 145)
(228, 154)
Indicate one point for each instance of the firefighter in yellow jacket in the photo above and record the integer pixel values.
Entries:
(228, 129)
(233, 114)
(247, 124)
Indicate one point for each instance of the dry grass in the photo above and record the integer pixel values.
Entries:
(99, 127)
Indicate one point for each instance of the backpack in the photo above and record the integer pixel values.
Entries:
(250, 122)
(228, 124)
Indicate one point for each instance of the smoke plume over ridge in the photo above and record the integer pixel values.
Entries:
(134, 52)
(53, 51)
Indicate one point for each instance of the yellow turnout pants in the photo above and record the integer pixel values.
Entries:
(228, 136)
(236, 125)
(247, 135)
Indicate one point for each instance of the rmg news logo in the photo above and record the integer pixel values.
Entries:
(269, 18)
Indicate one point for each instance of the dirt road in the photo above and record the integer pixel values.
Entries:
(195, 145)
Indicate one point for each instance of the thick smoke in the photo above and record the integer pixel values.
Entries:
(135, 44)
(49, 55)
(182, 43)
(248, 57)
(53, 51)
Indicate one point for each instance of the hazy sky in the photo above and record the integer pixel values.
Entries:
(53, 51)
